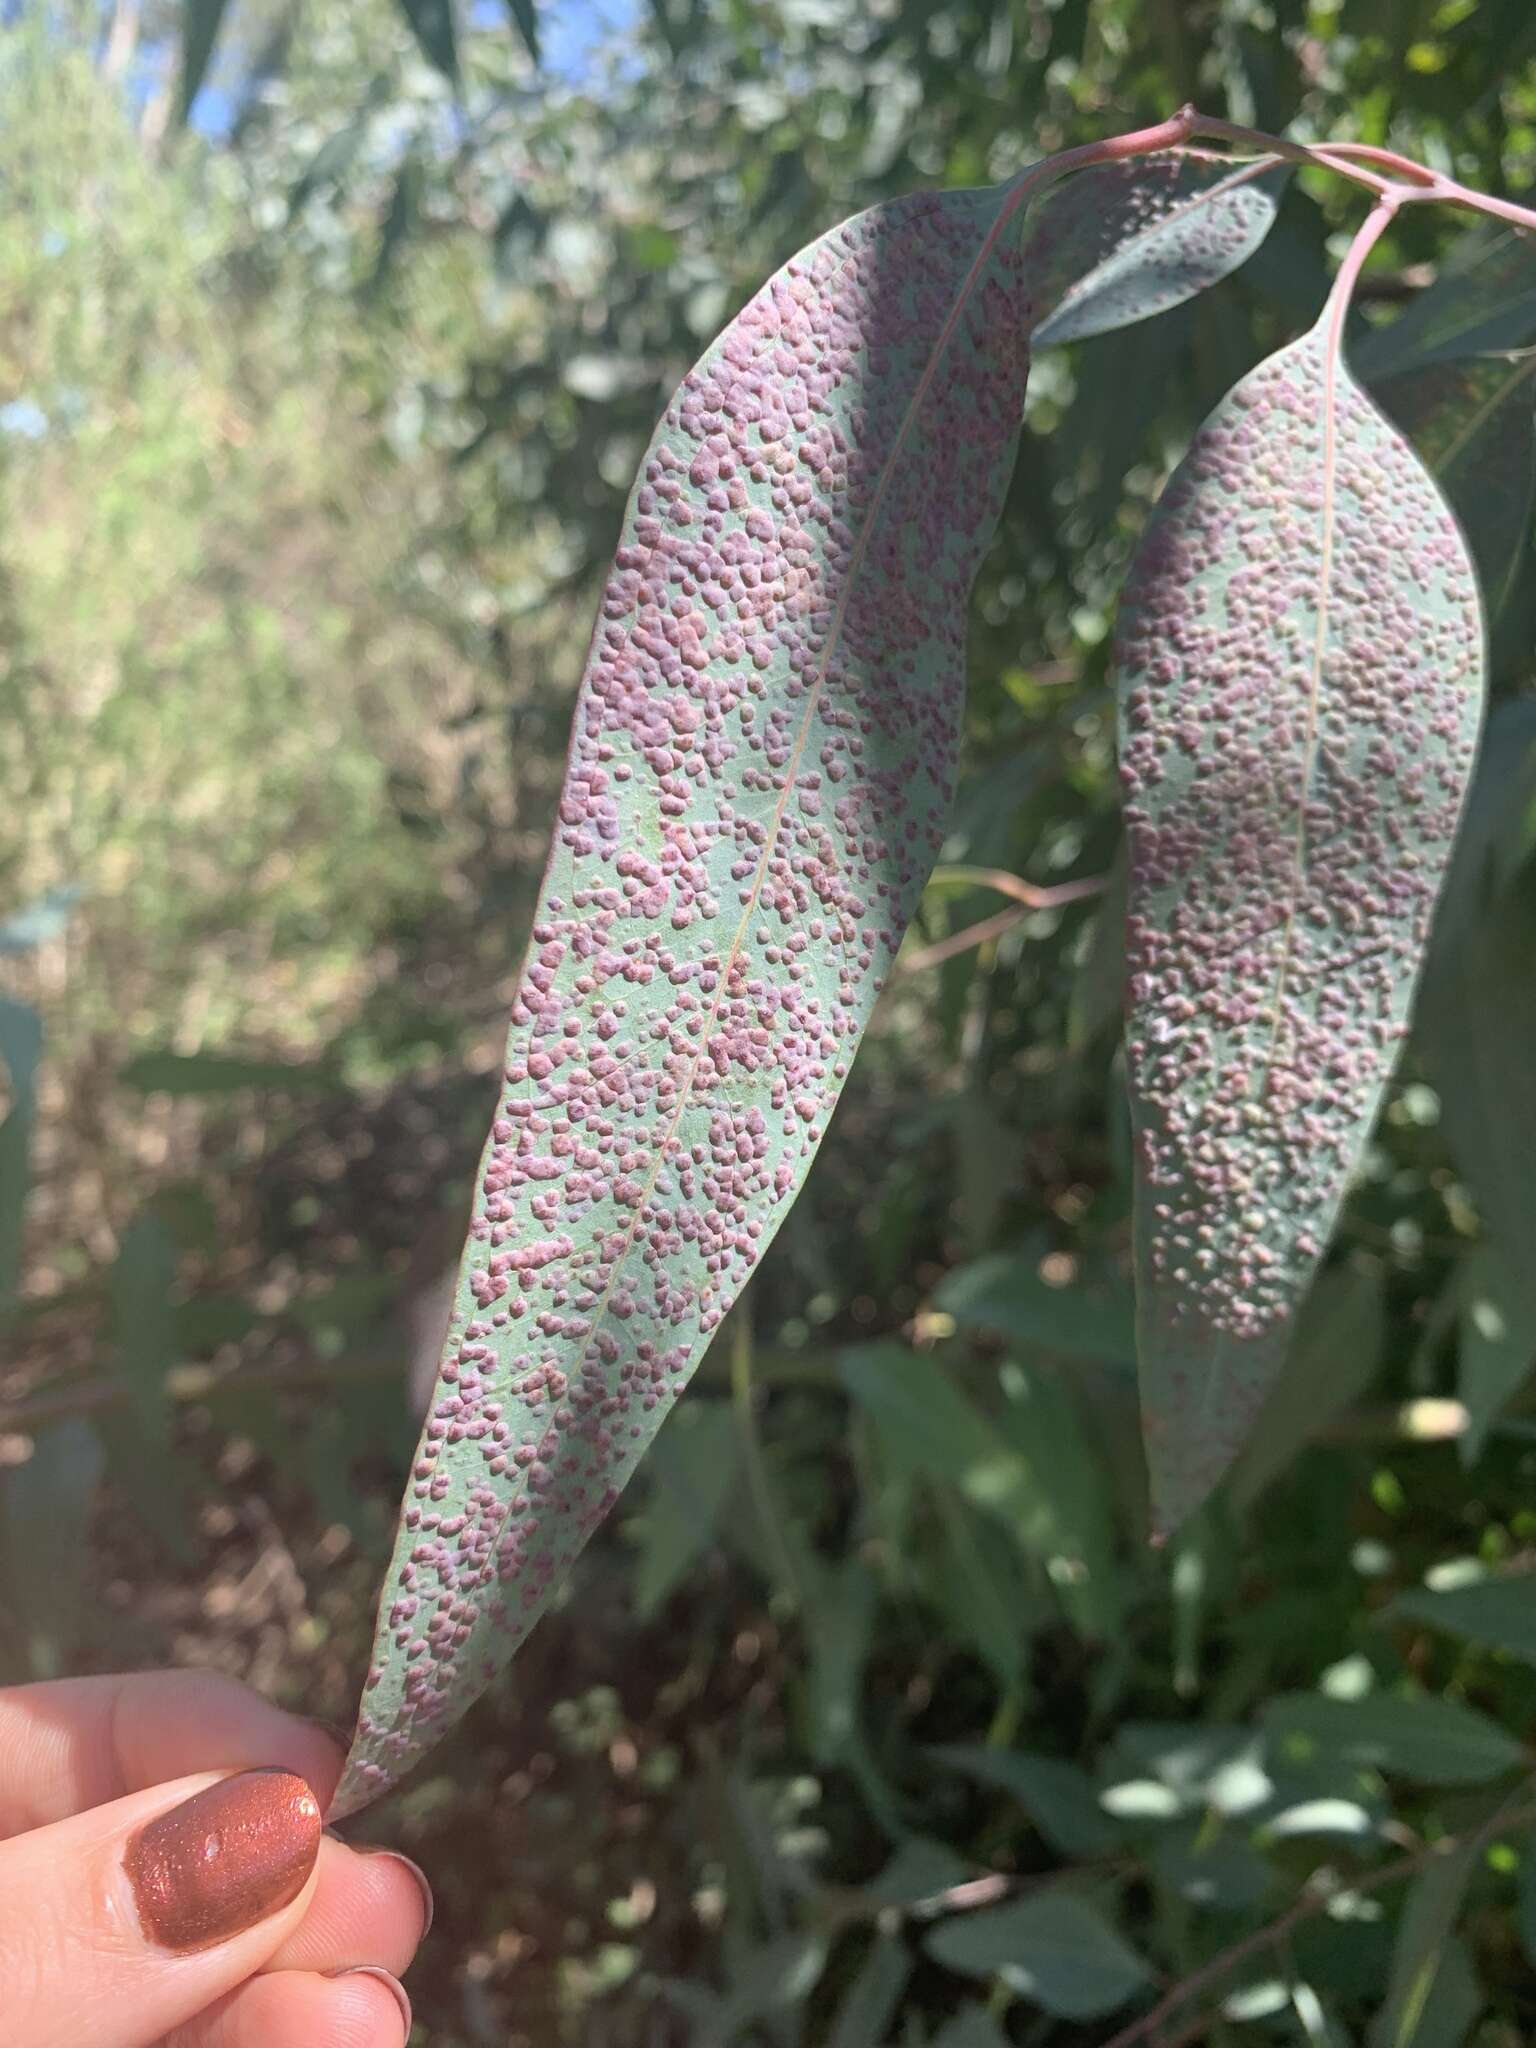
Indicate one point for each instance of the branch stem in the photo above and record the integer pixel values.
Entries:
(1508, 1818)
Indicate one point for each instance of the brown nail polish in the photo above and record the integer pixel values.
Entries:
(392, 1983)
(224, 1859)
(414, 1870)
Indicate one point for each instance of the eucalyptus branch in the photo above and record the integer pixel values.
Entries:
(1316, 1898)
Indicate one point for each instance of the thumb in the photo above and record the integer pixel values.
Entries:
(121, 1923)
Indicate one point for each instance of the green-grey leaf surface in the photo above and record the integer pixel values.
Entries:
(762, 762)
(1301, 681)
(1483, 299)
(1058, 1796)
(1054, 1950)
(1089, 1318)
(1337, 1355)
(1478, 1028)
(1496, 1336)
(1497, 1612)
(21, 1044)
(1120, 242)
(1432, 1741)
(1474, 422)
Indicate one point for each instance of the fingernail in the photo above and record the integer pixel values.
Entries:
(394, 1984)
(415, 1870)
(224, 1859)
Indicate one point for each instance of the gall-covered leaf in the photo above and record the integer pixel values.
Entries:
(1122, 241)
(760, 771)
(1301, 671)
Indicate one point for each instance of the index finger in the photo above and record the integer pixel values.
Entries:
(68, 1744)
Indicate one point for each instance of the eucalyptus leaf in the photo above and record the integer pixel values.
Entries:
(762, 759)
(1121, 242)
(1053, 1949)
(1301, 681)
(1428, 1740)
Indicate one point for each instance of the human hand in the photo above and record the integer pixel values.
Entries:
(152, 1898)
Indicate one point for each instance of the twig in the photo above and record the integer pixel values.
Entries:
(1314, 1899)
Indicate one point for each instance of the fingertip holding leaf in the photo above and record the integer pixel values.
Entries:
(759, 777)
(1300, 674)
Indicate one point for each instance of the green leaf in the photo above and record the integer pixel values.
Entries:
(919, 1870)
(211, 1073)
(1497, 1337)
(432, 24)
(1122, 241)
(972, 2027)
(1088, 1319)
(21, 1044)
(1525, 1905)
(1433, 1996)
(1054, 1950)
(1431, 1741)
(693, 1471)
(1337, 1355)
(1301, 676)
(1474, 423)
(525, 18)
(201, 21)
(865, 2015)
(1476, 1026)
(755, 795)
(1058, 1797)
(1498, 1612)
(1484, 299)
(142, 1455)
(53, 1490)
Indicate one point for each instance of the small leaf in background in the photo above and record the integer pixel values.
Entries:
(1120, 242)
(525, 18)
(1058, 1797)
(1300, 661)
(1525, 1903)
(754, 798)
(433, 26)
(1088, 1318)
(1474, 423)
(137, 1431)
(1476, 1027)
(43, 1583)
(1431, 1741)
(694, 1469)
(865, 2015)
(1222, 1873)
(1439, 2008)
(1429, 1916)
(1336, 1357)
(215, 1073)
(21, 1045)
(1054, 1950)
(972, 2027)
(919, 1871)
(1496, 1613)
(1496, 1343)
(1484, 299)
(201, 21)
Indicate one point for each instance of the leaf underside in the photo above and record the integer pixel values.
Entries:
(1301, 691)
(1120, 242)
(761, 765)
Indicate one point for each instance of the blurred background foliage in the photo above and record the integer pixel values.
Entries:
(330, 334)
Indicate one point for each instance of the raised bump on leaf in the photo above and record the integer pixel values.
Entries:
(760, 770)
(1300, 658)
